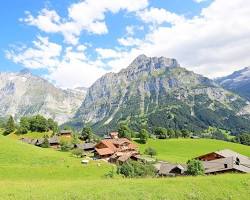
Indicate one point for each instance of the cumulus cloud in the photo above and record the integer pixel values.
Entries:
(68, 68)
(213, 43)
(88, 15)
(43, 54)
(159, 16)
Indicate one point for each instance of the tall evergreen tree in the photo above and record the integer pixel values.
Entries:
(10, 126)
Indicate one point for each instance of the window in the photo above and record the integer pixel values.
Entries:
(225, 165)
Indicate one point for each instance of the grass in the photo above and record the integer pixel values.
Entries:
(28, 172)
(181, 150)
(30, 134)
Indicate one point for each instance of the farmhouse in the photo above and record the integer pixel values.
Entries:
(119, 149)
(90, 147)
(65, 133)
(168, 169)
(54, 142)
(225, 161)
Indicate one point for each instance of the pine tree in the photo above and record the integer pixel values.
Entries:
(10, 126)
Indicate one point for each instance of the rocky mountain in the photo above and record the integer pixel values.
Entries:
(25, 94)
(238, 82)
(158, 92)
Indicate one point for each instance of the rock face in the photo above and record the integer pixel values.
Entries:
(238, 82)
(158, 92)
(24, 94)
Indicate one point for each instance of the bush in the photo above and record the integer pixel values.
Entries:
(64, 146)
(195, 168)
(243, 138)
(45, 143)
(150, 151)
(136, 169)
(77, 152)
(144, 135)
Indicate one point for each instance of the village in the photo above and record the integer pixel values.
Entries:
(118, 151)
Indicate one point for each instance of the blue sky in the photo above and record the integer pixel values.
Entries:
(72, 43)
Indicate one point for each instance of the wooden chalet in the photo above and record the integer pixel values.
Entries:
(90, 147)
(54, 142)
(225, 161)
(65, 133)
(120, 149)
(168, 169)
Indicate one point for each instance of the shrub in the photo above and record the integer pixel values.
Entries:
(150, 151)
(64, 146)
(77, 152)
(136, 169)
(45, 143)
(195, 168)
(144, 135)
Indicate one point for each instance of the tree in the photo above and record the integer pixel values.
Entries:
(185, 133)
(160, 132)
(87, 133)
(124, 131)
(171, 133)
(144, 135)
(39, 123)
(150, 151)
(52, 125)
(177, 133)
(74, 139)
(195, 168)
(243, 138)
(10, 126)
(24, 125)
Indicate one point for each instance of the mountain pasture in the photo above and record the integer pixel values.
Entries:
(29, 172)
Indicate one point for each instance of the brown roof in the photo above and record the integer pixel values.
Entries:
(65, 132)
(104, 151)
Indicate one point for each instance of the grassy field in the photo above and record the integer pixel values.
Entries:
(181, 150)
(29, 172)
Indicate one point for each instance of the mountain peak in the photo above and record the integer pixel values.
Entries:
(143, 62)
(25, 71)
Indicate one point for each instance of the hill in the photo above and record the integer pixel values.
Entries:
(181, 150)
(28, 172)
(221, 187)
(157, 92)
(23, 94)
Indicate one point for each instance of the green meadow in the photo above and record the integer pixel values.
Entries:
(29, 172)
(181, 150)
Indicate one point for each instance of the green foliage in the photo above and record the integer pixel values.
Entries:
(87, 133)
(75, 139)
(45, 143)
(150, 151)
(24, 125)
(10, 126)
(243, 138)
(124, 131)
(77, 152)
(136, 169)
(160, 132)
(38, 123)
(143, 135)
(195, 168)
(219, 135)
(65, 146)
(52, 125)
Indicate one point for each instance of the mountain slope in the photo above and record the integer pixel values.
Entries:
(238, 82)
(158, 92)
(25, 94)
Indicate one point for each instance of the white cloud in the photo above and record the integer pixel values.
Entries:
(43, 54)
(215, 43)
(159, 16)
(129, 41)
(88, 15)
(68, 69)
